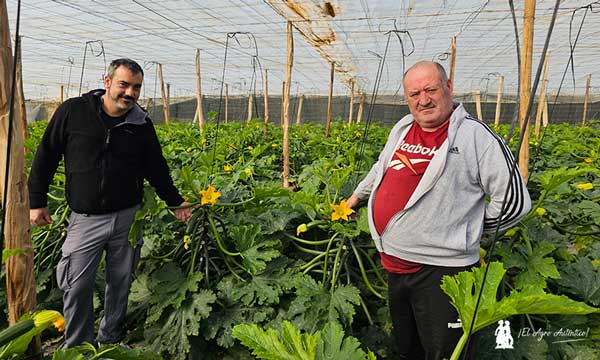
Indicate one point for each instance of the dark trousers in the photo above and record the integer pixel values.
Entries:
(423, 318)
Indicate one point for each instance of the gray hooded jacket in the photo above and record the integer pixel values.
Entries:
(446, 215)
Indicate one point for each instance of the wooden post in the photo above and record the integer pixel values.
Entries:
(226, 102)
(20, 94)
(361, 106)
(545, 113)
(168, 96)
(499, 101)
(452, 58)
(62, 94)
(149, 103)
(526, 61)
(478, 104)
(282, 92)
(266, 101)
(541, 100)
(299, 115)
(199, 116)
(585, 99)
(286, 105)
(351, 111)
(20, 279)
(249, 108)
(329, 100)
(163, 94)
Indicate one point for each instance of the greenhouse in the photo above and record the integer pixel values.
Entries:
(300, 179)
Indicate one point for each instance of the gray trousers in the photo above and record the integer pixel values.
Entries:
(88, 236)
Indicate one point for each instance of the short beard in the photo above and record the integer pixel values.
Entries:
(120, 106)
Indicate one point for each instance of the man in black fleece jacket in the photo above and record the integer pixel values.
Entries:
(109, 146)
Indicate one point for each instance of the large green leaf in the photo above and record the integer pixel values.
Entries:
(119, 352)
(528, 347)
(176, 308)
(221, 321)
(140, 291)
(254, 250)
(290, 344)
(169, 287)
(308, 201)
(538, 267)
(67, 354)
(331, 345)
(549, 180)
(250, 301)
(287, 344)
(314, 306)
(171, 333)
(579, 351)
(276, 219)
(581, 280)
(591, 209)
(263, 289)
(343, 301)
(150, 207)
(463, 290)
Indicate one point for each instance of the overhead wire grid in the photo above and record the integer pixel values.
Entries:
(168, 32)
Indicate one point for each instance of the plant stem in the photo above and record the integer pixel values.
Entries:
(235, 204)
(459, 347)
(336, 262)
(305, 250)
(366, 310)
(325, 261)
(313, 260)
(307, 242)
(373, 265)
(362, 272)
(213, 227)
(232, 271)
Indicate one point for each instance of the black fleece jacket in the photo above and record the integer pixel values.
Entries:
(105, 168)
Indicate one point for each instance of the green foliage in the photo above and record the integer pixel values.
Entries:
(6, 253)
(581, 280)
(252, 301)
(290, 344)
(252, 267)
(315, 306)
(464, 288)
(68, 354)
(172, 332)
(14, 331)
(537, 267)
(16, 339)
(254, 251)
(115, 352)
(176, 307)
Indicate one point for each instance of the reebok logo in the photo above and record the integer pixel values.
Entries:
(417, 149)
(404, 162)
(454, 150)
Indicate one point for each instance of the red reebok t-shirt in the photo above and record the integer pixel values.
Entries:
(400, 180)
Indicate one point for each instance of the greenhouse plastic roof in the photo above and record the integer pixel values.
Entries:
(58, 35)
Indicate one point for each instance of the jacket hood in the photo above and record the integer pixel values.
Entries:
(135, 116)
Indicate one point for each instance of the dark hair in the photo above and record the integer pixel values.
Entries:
(128, 63)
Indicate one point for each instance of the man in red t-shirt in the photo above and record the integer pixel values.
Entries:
(427, 208)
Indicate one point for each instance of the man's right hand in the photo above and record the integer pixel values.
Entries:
(40, 217)
(353, 201)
